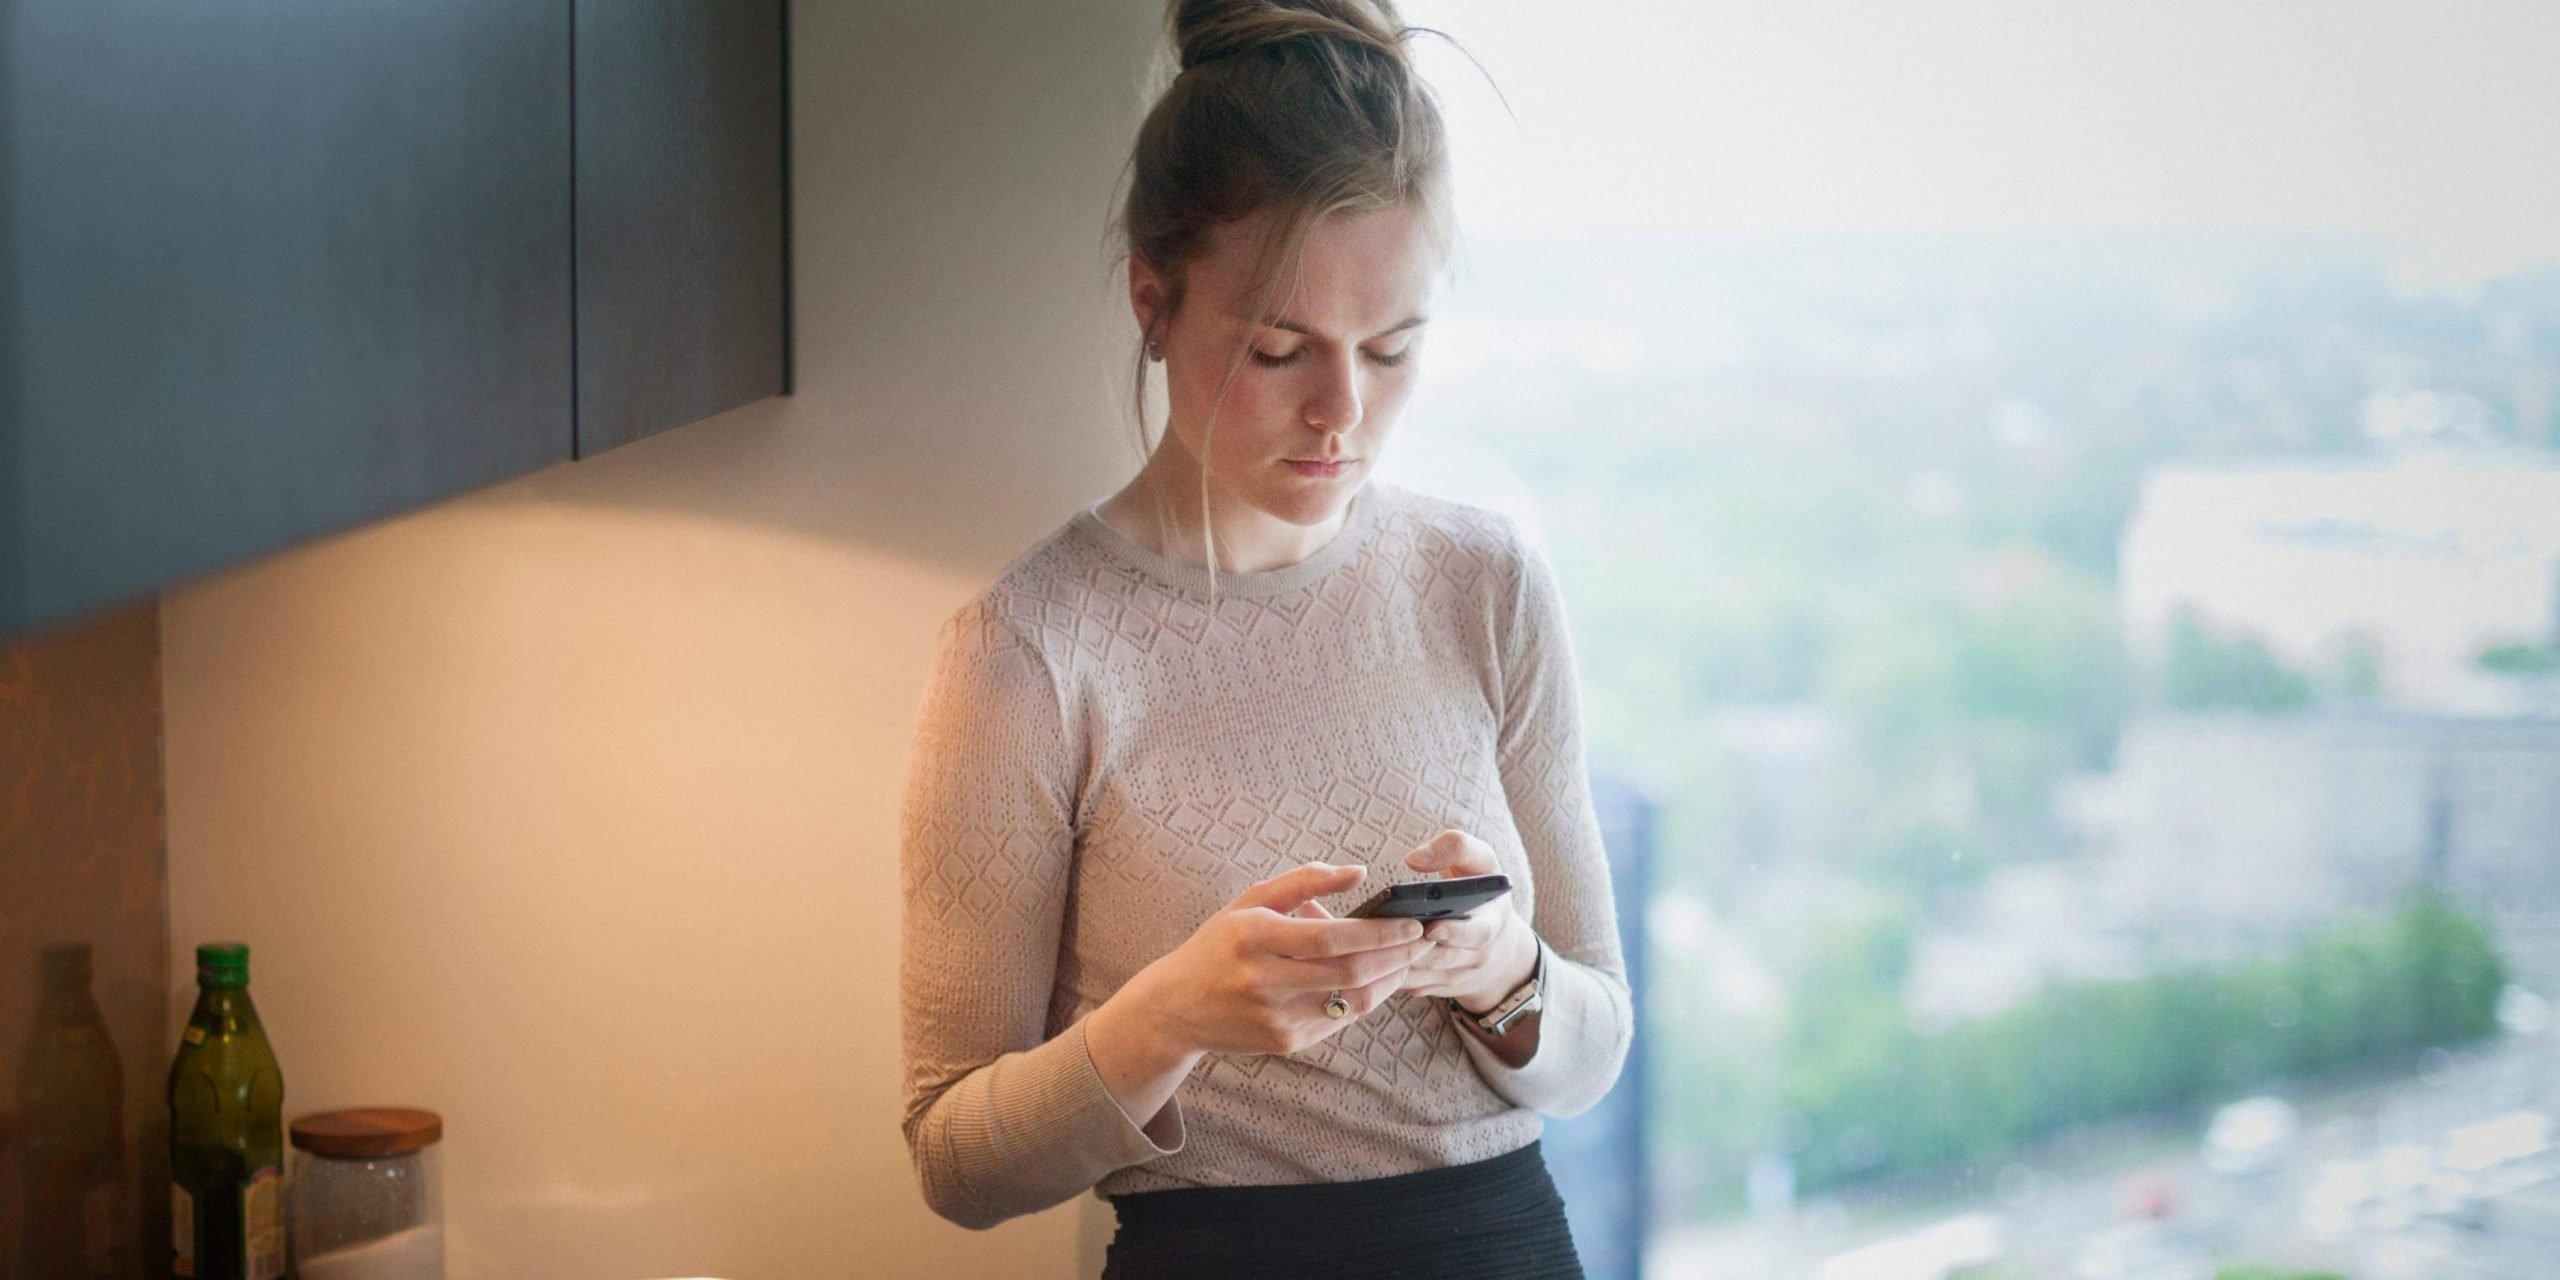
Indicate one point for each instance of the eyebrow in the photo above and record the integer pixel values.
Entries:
(1295, 327)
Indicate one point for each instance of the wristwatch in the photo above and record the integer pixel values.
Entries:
(1525, 999)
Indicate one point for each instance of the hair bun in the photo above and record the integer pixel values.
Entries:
(1207, 30)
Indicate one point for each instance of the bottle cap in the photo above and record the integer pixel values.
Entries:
(368, 1131)
(222, 966)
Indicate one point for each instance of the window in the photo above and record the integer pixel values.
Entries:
(2060, 510)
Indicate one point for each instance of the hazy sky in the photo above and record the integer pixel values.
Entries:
(2434, 125)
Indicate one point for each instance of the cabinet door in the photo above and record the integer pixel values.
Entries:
(273, 268)
(681, 243)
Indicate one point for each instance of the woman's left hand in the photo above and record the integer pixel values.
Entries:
(1483, 957)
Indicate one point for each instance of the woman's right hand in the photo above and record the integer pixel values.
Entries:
(1254, 978)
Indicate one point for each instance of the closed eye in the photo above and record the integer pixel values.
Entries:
(1383, 359)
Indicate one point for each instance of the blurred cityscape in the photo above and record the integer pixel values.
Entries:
(2101, 693)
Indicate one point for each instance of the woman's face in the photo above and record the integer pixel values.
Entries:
(1324, 374)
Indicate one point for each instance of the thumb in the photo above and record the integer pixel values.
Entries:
(1453, 852)
(1298, 887)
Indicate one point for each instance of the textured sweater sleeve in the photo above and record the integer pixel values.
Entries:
(1001, 1118)
(1589, 1019)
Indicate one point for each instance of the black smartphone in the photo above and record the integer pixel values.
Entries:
(1433, 899)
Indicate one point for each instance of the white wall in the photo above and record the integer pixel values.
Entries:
(568, 808)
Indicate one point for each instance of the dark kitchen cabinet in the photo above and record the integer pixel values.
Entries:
(271, 269)
(681, 202)
(280, 268)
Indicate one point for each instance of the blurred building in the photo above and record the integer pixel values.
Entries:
(1599, 1157)
(2424, 557)
(2254, 823)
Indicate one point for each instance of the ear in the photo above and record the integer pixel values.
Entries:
(1148, 290)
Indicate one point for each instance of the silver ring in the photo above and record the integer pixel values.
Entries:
(1337, 1007)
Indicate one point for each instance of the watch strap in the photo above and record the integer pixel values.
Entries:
(1524, 999)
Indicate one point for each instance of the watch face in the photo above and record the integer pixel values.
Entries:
(1512, 1010)
(1528, 997)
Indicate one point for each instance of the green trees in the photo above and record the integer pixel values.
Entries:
(2208, 670)
(1969, 710)
(1873, 1096)
(2519, 660)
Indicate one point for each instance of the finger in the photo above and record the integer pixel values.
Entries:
(1453, 853)
(1448, 979)
(1312, 910)
(1327, 974)
(1288, 973)
(1291, 889)
(1369, 996)
(1442, 959)
(1471, 934)
(1361, 1000)
(1317, 939)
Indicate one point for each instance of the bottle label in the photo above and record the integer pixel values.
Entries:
(262, 1225)
(195, 1035)
(182, 1231)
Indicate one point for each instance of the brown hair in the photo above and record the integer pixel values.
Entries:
(1295, 108)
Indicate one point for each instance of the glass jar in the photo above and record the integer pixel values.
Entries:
(367, 1196)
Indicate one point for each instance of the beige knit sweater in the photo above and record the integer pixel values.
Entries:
(1103, 760)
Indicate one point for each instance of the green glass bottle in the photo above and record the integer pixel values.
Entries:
(226, 1131)
(71, 1096)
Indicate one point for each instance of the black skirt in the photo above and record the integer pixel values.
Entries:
(1497, 1219)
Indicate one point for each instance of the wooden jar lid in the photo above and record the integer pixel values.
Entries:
(368, 1131)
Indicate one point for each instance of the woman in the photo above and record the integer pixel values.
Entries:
(1251, 682)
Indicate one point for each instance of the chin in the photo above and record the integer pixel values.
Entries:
(1308, 509)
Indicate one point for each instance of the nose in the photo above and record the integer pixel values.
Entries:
(1334, 405)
